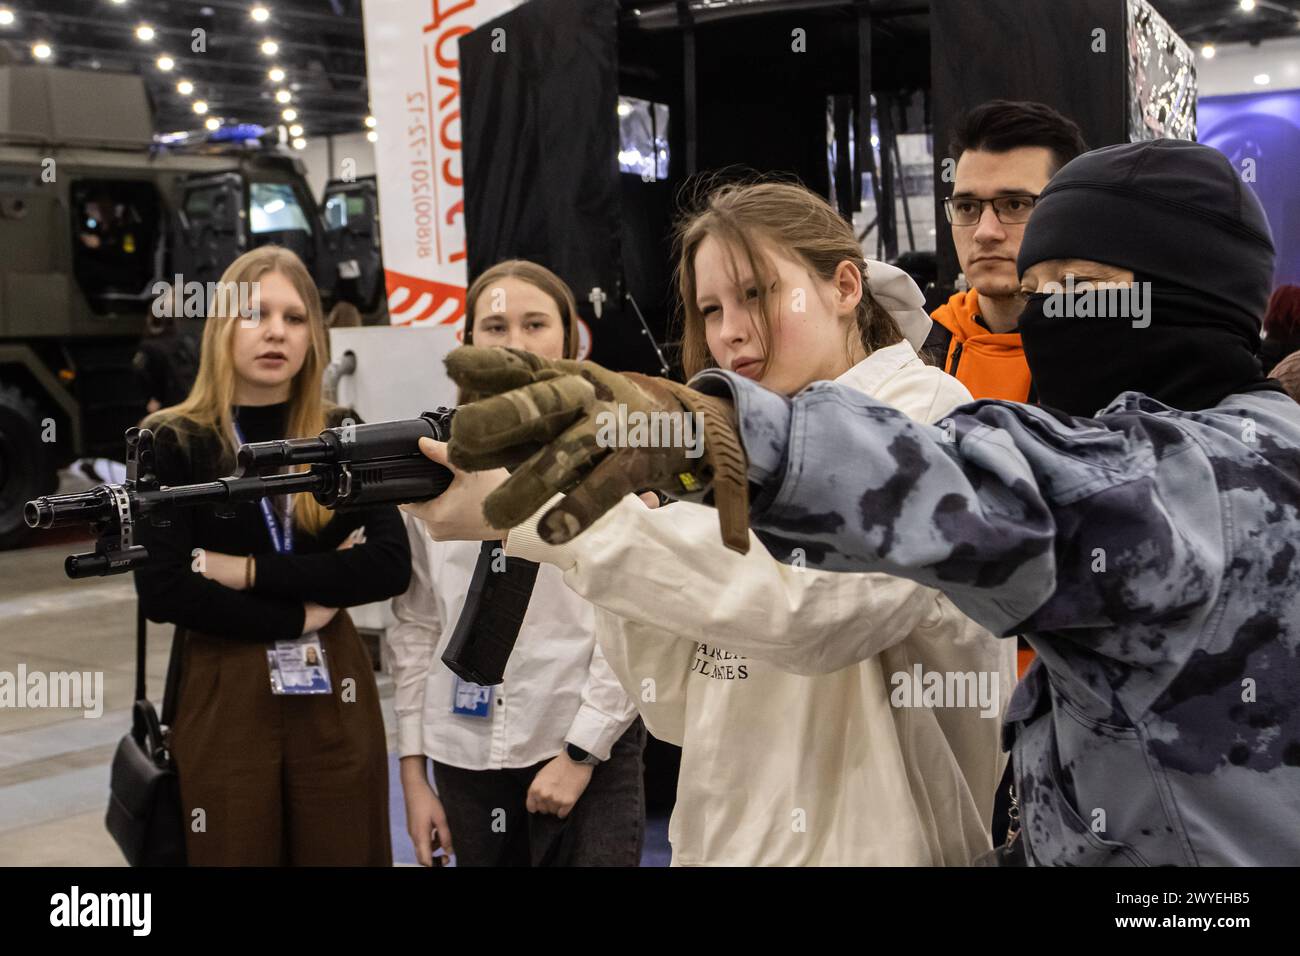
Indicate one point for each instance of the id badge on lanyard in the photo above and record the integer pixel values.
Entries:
(470, 700)
(297, 666)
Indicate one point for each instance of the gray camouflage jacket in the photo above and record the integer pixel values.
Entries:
(1148, 555)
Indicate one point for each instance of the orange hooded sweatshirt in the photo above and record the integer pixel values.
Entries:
(989, 364)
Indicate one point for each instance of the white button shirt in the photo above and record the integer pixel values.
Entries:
(557, 688)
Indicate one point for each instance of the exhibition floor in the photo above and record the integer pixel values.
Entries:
(54, 763)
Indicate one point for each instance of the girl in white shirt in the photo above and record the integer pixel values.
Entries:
(544, 768)
(806, 703)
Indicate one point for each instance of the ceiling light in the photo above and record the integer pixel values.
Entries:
(372, 135)
(42, 51)
(1247, 5)
(370, 122)
(260, 14)
(6, 17)
(295, 130)
(276, 74)
(144, 32)
(283, 96)
(212, 123)
(184, 87)
(165, 63)
(270, 47)
(289, 115)
(1261, 79)
(299, 143)
(200, 107)
(1207, 51)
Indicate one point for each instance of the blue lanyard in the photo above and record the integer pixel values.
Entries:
(281, 537)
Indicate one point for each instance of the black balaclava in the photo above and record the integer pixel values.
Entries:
(1178, 216)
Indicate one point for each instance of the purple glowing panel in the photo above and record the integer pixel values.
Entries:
(1260, 134)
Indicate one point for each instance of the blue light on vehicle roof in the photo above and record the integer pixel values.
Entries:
(238, 133)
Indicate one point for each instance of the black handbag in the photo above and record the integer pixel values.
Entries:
(144, 807)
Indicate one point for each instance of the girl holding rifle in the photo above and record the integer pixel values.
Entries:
(792, 692)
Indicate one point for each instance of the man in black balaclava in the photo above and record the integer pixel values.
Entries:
(1142, 533)
(1126, 213)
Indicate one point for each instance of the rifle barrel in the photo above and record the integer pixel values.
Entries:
(96, 505)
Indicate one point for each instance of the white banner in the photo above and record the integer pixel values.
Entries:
(413, 67)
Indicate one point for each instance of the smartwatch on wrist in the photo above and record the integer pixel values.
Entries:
(578, 755)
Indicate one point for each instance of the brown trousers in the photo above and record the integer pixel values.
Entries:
(281, 780)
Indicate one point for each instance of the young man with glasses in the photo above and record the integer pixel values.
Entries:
(1006, 152)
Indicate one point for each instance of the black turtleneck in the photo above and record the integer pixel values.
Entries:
(315, 571)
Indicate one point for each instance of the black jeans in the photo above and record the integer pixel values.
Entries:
(491, 826)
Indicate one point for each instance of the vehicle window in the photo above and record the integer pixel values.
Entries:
(115, 241)
(200, 203)
(273, 207)
(342, 208)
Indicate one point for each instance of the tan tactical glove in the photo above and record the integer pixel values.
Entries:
(556, 424)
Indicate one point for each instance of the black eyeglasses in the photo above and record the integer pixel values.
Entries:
(1010, 210)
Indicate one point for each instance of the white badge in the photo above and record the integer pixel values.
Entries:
(470, 700)
(299, 667)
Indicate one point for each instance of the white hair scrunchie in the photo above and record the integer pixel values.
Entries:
(899, 295)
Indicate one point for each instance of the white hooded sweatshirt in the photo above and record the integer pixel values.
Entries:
(824, 719)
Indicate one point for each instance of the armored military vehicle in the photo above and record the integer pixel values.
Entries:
(96, 215)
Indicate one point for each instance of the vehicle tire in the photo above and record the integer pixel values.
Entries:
(27, 467)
